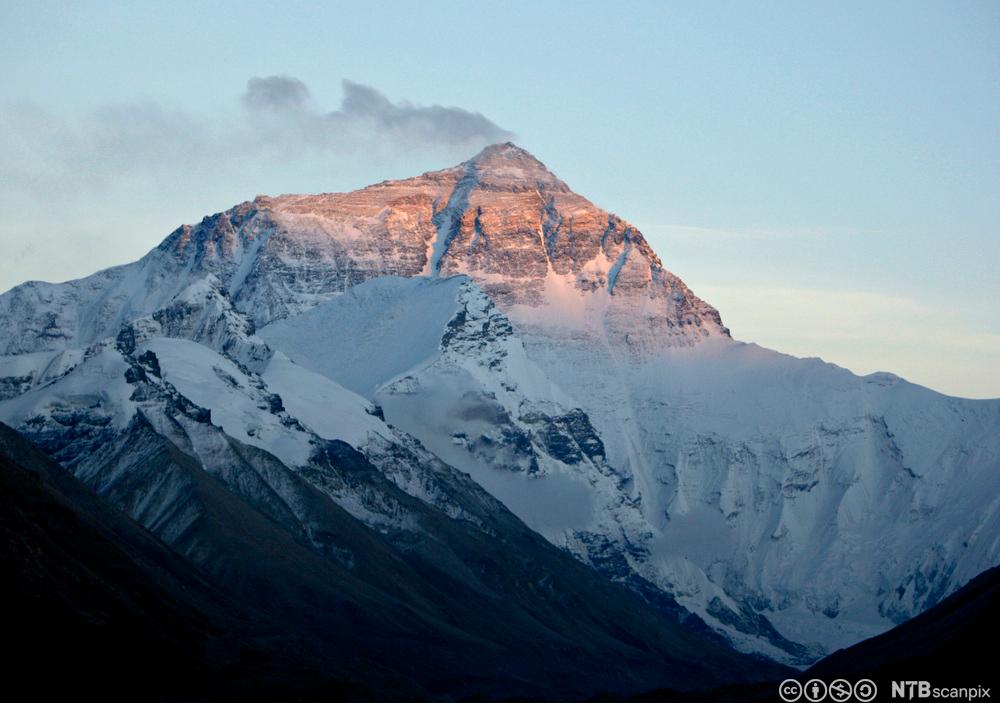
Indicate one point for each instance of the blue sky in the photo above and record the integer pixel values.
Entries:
(826, 174)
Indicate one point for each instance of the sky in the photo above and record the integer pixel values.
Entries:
(826, 174)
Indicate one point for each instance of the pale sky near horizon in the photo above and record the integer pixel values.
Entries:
(826, 174)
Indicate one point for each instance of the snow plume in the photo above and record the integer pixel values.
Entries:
(284, 102)
(432, 123)
(275, 93)
(276, 118)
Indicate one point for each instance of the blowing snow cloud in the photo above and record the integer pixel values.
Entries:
(277, 118)
(364, 111)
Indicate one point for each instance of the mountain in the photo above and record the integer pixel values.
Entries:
(490, 341)
(437, 584)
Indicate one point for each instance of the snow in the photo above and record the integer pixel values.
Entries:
(327, 408)
(97, 384)
(792, 481)
(447, 223)
(41, 367)
(749, 472)
(617, 267)
(247, 257)
(561, 503)
(396, 356)
(371, 334)
(211, 381)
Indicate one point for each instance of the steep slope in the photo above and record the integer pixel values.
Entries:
(88, 589)
(455, 375)
(833, 506)
(795, 507)
(440, 584)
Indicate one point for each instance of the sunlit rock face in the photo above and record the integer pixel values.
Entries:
(546, 255)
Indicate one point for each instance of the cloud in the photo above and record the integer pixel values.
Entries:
(275, 93)
(276, 119)
(434, 123)
(284, 102)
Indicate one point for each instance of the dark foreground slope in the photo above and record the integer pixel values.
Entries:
(509, 615)
(951, 645)
(96, 605)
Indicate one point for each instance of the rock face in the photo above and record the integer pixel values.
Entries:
(500, 217)
(486, 321)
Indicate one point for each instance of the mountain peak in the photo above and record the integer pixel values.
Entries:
(507, 151)
(508, 164)
(543, 253)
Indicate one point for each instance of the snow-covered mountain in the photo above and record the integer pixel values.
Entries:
(486, 321)
(329, 520)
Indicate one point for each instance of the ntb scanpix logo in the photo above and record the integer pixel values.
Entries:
(911, 690)
(838, 690)
(865, 691)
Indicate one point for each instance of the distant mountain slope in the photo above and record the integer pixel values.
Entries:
(787, 501)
